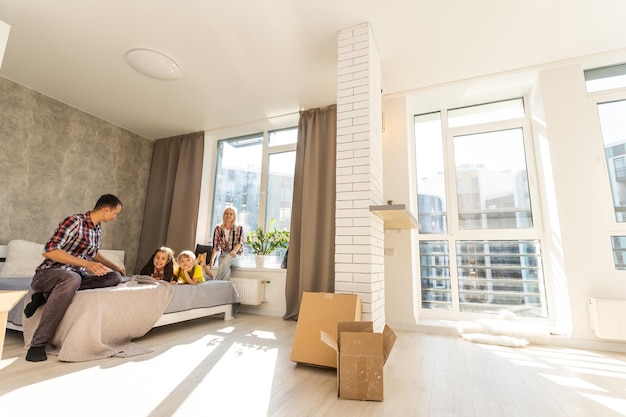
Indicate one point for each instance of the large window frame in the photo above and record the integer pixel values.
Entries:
(454, 235)
(618, 201)
(256, 214)
(605, 86)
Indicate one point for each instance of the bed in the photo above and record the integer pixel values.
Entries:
(188, 301)
(121, 313)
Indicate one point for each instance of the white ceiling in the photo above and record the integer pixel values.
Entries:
(248, 60)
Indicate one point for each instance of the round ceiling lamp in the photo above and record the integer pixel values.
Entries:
(153, 64)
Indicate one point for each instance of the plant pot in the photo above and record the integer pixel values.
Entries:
(261, 260)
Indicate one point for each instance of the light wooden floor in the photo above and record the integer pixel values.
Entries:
(208, 367)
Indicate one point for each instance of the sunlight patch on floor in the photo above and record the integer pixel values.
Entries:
(619, 367)
(578, 356)
(261, 334)
(616, 404)
(239, 384)
(518, 357)
(227, 330)
(573, 382)
(598, 372)
(6, 362)
(133, 388)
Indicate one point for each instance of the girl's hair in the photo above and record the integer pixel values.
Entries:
(234, 210)
(168, 270)
(186, 254)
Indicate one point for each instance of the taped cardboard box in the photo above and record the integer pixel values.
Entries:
(321, 312)
(361, 355)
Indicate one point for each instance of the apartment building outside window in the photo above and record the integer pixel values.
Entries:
(479, 244)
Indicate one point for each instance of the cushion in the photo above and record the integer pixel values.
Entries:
(23, 257)
(115, 256)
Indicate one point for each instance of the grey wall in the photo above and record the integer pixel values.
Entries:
(56, 160)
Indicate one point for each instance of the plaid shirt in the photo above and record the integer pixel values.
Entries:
(223, 245)
(76, 235)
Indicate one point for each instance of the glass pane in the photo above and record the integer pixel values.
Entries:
(612, 116)
(238, 179)
(485, 113)
(605, 78)
(280, 193)
(492, 181)
(619, 251)
(283, 137)
(435, 274)
(495, 275)
(431, 191)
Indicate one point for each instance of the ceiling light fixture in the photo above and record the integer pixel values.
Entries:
(153, 64)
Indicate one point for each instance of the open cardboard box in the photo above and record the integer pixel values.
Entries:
(321, 312)
(361, 355)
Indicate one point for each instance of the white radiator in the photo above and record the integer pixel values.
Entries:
(251, 291)
(608, 318)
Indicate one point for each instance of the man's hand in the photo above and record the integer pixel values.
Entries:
(96, 268)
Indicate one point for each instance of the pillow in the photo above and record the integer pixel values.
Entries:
(115, 256)
(23, 257)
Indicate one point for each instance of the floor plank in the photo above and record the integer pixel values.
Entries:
(242, 368)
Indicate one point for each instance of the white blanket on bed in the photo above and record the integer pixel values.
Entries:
(101, 323)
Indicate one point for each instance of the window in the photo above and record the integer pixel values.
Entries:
(612, 115)
(254, 174)
(485, 113)
(492, 187)
(618, 243)
(479, 248)
(608, 85)
(605, 78)
(610, 103)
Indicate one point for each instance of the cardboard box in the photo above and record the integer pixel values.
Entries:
(361, 355)
(321, 312)
(8, 299)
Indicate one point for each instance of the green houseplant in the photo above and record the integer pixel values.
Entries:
(264, 242)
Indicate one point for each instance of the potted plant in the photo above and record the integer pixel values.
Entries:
(265, 242)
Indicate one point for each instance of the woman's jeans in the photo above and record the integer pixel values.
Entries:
(225, 263)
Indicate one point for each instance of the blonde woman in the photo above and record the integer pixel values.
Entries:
(228, 239)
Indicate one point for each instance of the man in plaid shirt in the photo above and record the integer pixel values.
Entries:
(72, 262)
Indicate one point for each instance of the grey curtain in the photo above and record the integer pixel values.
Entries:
(311, 260)
(171, 212)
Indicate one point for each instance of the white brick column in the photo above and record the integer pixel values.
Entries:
(359, 240)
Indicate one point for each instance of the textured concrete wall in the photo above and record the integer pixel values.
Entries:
(56, 160)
